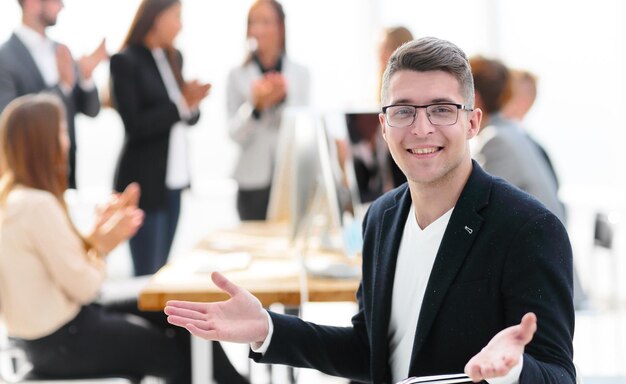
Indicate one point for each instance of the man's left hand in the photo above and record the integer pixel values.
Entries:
(503, 351)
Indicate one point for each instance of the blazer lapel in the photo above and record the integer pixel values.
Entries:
(390, 235)
(23, 56)
(463, 228)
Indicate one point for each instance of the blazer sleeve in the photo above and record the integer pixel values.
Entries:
(87, 101)
(337, 351)
(538, 277)
(8, 91)
(142, 121)
(242, 124)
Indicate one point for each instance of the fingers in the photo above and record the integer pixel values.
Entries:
(485, 370)
(183, 321)
(205, 334)
(130, 196)
(172, 305)
(528, 327)
(224, 284)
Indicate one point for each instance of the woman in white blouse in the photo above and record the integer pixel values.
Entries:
(258, 92)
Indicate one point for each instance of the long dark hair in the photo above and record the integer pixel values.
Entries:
(143, 22)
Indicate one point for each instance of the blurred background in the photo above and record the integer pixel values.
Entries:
(577, 48)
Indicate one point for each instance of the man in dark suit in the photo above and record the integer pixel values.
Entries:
(31, 63)
(451, 261)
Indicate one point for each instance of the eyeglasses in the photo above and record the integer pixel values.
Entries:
(441, 114)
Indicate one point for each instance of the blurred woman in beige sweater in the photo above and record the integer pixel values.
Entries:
(50, 274)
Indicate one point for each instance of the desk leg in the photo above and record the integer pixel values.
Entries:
(201, 361)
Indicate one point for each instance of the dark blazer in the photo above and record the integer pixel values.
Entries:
(19, 75)
(140, 96)
(503, 254)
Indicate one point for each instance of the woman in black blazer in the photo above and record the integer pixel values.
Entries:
(156, 105)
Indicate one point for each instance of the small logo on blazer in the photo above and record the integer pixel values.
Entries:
(469, 230)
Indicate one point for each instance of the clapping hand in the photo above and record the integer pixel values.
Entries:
(117, 220)
(269, 90)
(194, 92)
(65, 66)
(88, 63)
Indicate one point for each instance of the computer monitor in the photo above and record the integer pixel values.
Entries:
(305, 183)
(369, 153)
(308, 193)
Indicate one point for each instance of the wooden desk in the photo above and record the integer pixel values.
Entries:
(274, 274)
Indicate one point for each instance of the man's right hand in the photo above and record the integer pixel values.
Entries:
(240, 319)
(65, 66)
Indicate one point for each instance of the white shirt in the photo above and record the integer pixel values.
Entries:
(43, 51)
(177, 174)
(416, 257)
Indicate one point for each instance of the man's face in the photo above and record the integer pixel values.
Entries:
(424, 152)
(49, 11)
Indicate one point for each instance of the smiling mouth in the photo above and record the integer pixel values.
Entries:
(424, 151)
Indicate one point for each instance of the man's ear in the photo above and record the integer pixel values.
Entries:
(383, 126)
(475, 119)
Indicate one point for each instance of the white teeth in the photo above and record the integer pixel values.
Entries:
(423, 151)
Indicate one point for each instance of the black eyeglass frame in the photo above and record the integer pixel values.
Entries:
(462, 107)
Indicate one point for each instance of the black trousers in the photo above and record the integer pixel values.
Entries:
(121, 340)
(252, 203)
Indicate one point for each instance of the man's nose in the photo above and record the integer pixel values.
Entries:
(421, 124)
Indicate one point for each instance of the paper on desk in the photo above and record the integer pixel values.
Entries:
(200, 261)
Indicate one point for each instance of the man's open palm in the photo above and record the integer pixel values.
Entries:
(503, 351)
(240, 319)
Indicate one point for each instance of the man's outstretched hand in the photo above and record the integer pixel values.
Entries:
(240, 319)
(503, 351)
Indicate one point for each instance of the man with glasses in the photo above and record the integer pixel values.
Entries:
(31, 63)
(461, 271)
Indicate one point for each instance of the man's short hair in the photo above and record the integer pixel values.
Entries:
(431, 54)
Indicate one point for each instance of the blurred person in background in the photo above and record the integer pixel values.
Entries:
(156, 106)
(393, 37)
(523, 96)
(257, 93)
(502, 146)
(50, 274)
(505, 150)
(30, 62)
